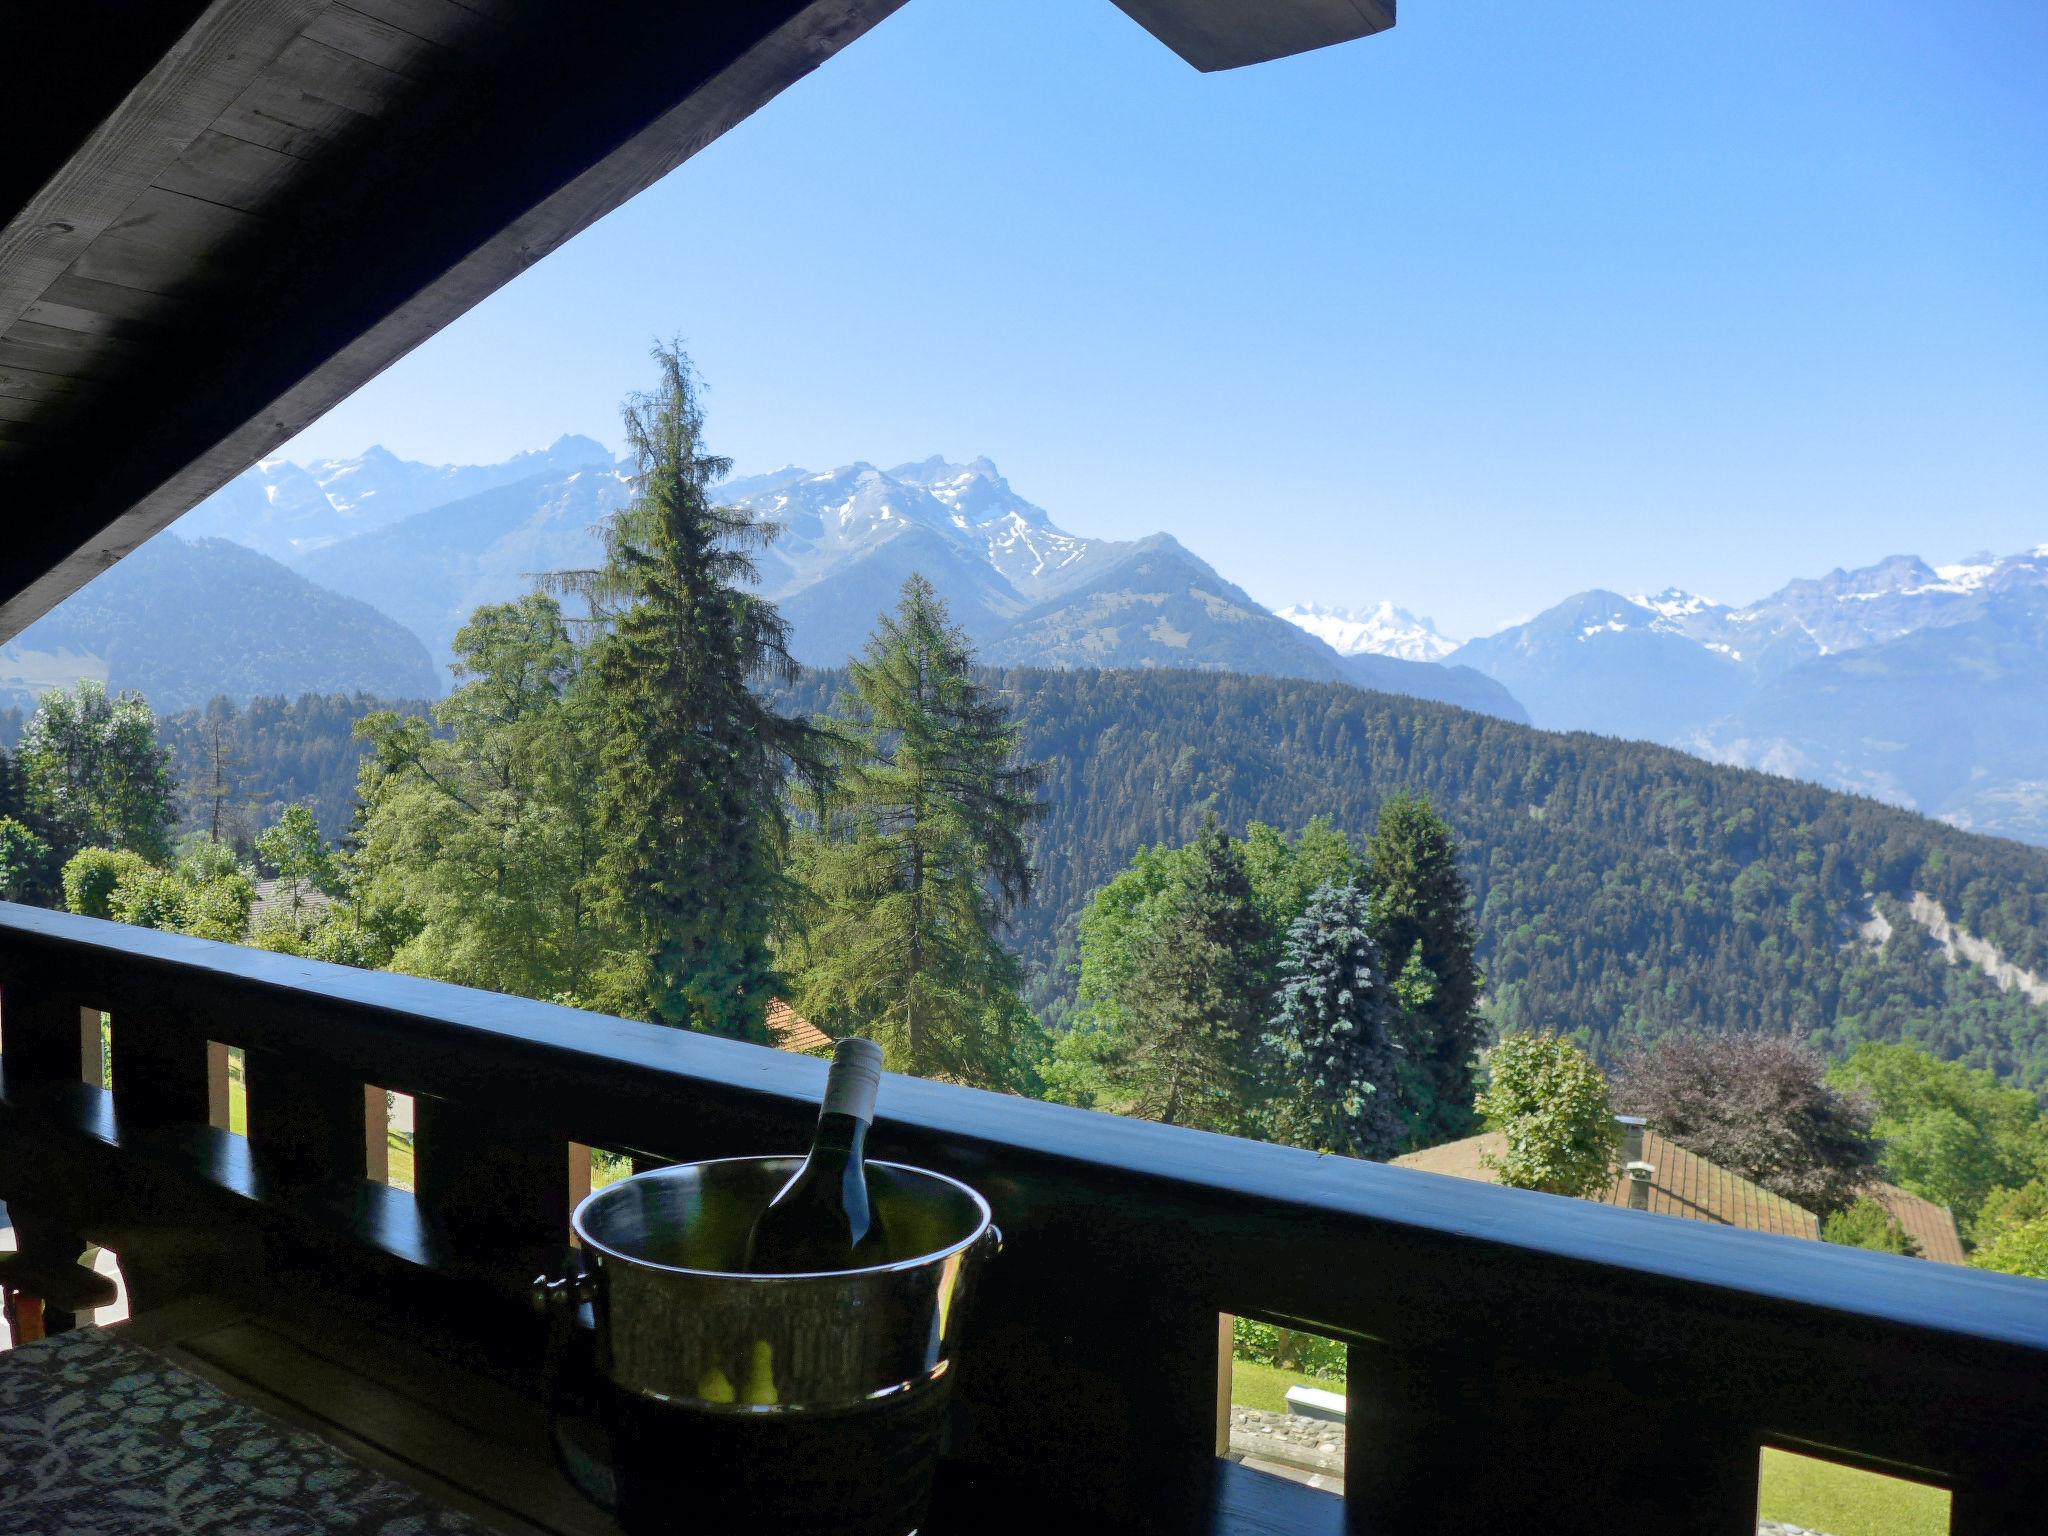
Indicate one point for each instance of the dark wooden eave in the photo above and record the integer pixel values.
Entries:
(221, 219)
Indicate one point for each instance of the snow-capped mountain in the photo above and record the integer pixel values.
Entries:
(1380, 631)
(827, 518)
(1920, 684)
(1026, 591)
(288, 510)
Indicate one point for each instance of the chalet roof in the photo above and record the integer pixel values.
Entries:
(1932, 1226)
(789, 1030)
(218, 218)
(1686, 1184)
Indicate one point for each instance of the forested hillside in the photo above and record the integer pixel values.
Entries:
(1623, 888)
(274, 753)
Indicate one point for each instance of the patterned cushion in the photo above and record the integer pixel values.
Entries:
(99, 1437)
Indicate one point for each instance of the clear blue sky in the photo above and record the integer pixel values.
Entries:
(1508, 302)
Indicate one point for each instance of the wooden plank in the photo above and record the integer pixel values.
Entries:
(115, 304)
(327, 74)
(85, 347)
(35, 384)
(176, 221)
(230, 44)
(376, 1136)
(35, 357)
(232, 172)
(305, 1121)
(219, 1087)
(92, 1054)
(286, 119)
(15, 410)
(437, 21)
(377, 41)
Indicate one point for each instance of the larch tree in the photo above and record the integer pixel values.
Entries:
(1332, 1035)
(694, 763)
(1423, 921)
(918, 856)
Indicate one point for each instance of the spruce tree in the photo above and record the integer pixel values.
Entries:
(1197, 996)
(1332, 1032)
(1423, 922)
(694, 762)
(919, 855)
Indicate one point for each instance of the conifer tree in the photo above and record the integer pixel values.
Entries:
(919, 855)
(1332, 1032)
(1196, 997)
(694, 762)
(1424, 925)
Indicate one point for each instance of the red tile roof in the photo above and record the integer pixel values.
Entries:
(791, 1031)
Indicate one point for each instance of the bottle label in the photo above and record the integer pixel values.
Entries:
(856, 1074)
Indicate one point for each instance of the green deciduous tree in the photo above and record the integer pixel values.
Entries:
(2019, 1249)
(1423, 922)
(693, 762)
(299, 858)
(24, 861)
(477, 846)
(1549, 1101)
(93, 773)
(1333, 1032)
(1867, 1224)
(1951, 1133)
(918, 856)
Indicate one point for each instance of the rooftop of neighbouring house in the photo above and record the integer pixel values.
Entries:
(1685, 1184)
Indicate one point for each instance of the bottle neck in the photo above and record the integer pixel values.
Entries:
(840, 1134)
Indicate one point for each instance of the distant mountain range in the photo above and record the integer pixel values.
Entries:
(1381, 631)
(183, 622)
(1922, 686)
(427, 544)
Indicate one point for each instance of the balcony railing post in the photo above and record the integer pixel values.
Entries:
(495, 1185)
(305, 1120)
(38, 1034)
(159, 1065)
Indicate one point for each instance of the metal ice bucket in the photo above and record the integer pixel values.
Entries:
(725, 1401)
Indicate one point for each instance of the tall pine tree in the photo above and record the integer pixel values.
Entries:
(1424, 926)
(694, 763)
(1332, 1032)
(919, 855)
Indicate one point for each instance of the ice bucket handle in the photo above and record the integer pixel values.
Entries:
(581, 1445)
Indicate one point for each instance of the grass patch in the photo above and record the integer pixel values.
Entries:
(1265, 1386)
(1846, 1501)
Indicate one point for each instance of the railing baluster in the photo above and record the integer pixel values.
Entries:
(305, 1120)
(159, 1066)
(495, 1184)
(39, 1035)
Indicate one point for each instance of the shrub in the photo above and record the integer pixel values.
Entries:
(93, 876)
(152, 898)
(1289, 1349)
(2020, 1249)
(1866, 1224)
(219, 909)
(1550, 1102)
(24, 858)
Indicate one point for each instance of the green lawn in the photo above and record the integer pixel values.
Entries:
(1844, 1501)
(1265, 1386)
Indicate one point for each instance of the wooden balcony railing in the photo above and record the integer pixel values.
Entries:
(1518, 1362)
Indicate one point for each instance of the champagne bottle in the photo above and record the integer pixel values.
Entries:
(821, 1219)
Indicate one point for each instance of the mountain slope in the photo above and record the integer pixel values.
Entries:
(432, 570)
(182, 622)
(287, 510)
(1624, 888)
(1603, 662)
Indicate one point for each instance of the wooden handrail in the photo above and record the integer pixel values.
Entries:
(1518, 1359)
